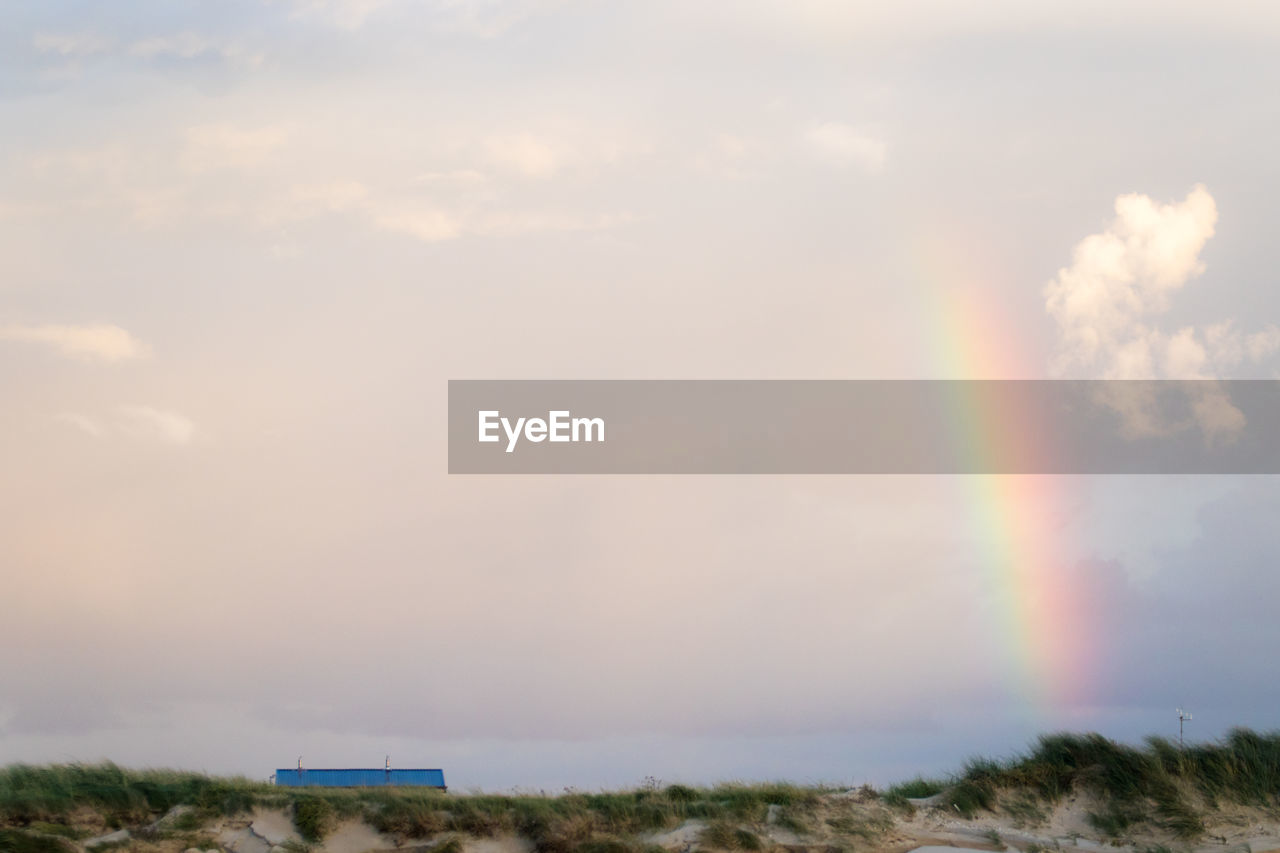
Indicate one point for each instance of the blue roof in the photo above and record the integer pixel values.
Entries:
(359, 778)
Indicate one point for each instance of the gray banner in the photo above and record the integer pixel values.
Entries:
(863, 427)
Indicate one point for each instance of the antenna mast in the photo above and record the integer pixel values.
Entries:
(1183, 716)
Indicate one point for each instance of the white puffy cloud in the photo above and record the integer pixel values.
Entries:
(1120, 281)
(847, 146)
(92, 342)
(1230, 347)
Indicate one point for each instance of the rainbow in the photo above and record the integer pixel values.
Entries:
(1044, 629)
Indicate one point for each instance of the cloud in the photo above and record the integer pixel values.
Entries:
(1120, 280)
(455, 177)
(148, 422)
(431, 222)
(70, 44)
(846, 146)
(435, 226)
(331, 197)
(84, 423)
(481, 183)
(524, 153)
(1123, 277)
(563, 147)
(182, 45)
(843, 23)
(186, 45)
(731, 157)
(430, 226)
(189, 45)
(140, 422)
(218, 146)
(343, 14)
(93, 343)
(488, 18)
(1229, 347)
(475, 18)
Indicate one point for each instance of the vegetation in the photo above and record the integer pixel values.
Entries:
(1159, 784)
(915, 789)
(313, 816)
(59, 829)
(723, 835)
(48, 794)
(1156, 786)
(1025, 810)
(15, 841)
(866, 827)
(46, 797)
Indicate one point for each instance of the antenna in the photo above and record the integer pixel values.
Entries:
(1183, 716)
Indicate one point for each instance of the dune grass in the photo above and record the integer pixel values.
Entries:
(14, 841)
(1158, 784)
(551, 822)
(49, 793)
(47, 796)
(913, 789)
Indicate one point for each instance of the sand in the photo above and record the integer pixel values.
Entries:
(930, 827)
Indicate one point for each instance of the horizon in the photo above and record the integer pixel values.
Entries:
(951, 771)
(955, 774)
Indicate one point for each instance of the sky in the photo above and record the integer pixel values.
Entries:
(245, 244)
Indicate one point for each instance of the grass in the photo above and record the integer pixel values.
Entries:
(916, 789)
(189, 821)
(1156, 784)
(313, 817)
(30, 794)
(59, 829)
(794, 819)
(723, 835)
(452, 845)
(1024, 809)
(1115, 820)
(866, 827)
(17, 841)
(571, 823)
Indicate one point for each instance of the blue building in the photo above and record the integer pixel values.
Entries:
(360, 778)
